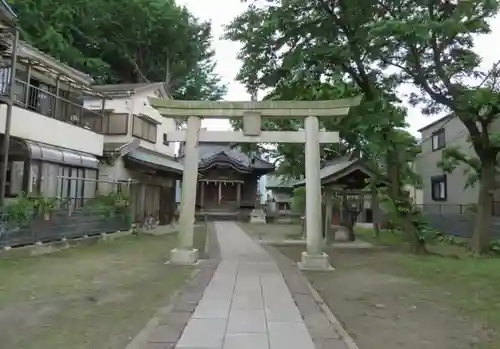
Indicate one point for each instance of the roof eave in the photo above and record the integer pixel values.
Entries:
(448, 116)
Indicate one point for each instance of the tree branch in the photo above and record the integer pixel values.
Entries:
(360, 76)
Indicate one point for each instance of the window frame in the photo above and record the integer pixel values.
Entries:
(440, 134)
(150, 125)
(106, 121)
(437, 180)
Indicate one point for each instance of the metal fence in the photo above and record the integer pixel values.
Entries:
(37, 221)
(458, 219)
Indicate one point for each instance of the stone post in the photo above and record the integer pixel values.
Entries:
(184, 253)
(328, 239)
(219, 195)
(314, 257)
(202, 194)
(238, 194)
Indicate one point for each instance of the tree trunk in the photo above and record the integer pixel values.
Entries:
(480, 241)
(417, 244)
(404, 217)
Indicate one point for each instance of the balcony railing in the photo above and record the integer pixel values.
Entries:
(51, 105)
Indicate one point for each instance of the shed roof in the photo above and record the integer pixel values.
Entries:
(339, 169)
(49, 65)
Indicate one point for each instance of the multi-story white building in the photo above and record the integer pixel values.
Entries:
(136, 148)
(50, 138)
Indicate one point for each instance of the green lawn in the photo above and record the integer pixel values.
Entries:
(87, 297)
(471, 283)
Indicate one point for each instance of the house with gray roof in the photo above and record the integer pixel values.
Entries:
(136, 148)
(54, 150)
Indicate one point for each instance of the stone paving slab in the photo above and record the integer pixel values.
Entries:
(324, 333)
(249, 287)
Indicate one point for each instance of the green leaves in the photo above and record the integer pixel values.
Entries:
(126, 41)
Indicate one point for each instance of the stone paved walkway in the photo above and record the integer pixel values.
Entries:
(247, 304)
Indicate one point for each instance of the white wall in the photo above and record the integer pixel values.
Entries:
(141, 106)
(40, 128)
(138, 104)
(108, 173)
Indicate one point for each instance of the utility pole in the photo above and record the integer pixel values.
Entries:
(8, 117)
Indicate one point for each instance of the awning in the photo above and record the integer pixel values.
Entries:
(155, 161)
(52, 153)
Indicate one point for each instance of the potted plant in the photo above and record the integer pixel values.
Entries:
(121, 201)
(47, 206)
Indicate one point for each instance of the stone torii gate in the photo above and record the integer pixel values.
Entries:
(252, 112)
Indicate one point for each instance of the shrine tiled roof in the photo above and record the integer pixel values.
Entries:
(280, 182)
(212, 154)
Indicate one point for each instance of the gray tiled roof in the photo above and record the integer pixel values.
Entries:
(332, 168)
(209, 151)
(120, 87)
(280, 182)
(121, 90)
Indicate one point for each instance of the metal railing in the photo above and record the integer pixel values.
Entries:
(456, 209)
(61, 219)
(52, 105)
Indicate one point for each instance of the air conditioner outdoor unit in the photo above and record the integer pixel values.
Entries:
(74, 118)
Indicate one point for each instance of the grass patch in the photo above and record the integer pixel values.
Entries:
(88, 297)
(370, 289)
(386, 237)
(450, 246)
(471, 284)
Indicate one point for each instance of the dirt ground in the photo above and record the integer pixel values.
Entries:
(87, 297)
(390, 299)
(381, 309)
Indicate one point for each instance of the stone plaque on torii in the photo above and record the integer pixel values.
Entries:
(252, 112)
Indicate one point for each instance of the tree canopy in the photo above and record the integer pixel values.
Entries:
(324, 49)
(126, 42)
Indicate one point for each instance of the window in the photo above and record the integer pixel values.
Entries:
(438, 139)
(115, 124)
(15, 176)
(439, 188)
(165, 141)
(4, 80)
(49, 180)
(144, 129)
(109, 124)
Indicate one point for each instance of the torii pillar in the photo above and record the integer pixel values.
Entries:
(251, 113)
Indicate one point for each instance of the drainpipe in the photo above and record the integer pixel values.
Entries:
(8, 117)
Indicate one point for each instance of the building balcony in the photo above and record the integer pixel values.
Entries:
(45, 117)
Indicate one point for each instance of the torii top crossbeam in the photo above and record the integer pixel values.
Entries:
(272, 109)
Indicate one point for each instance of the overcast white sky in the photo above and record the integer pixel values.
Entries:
(221, 12)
